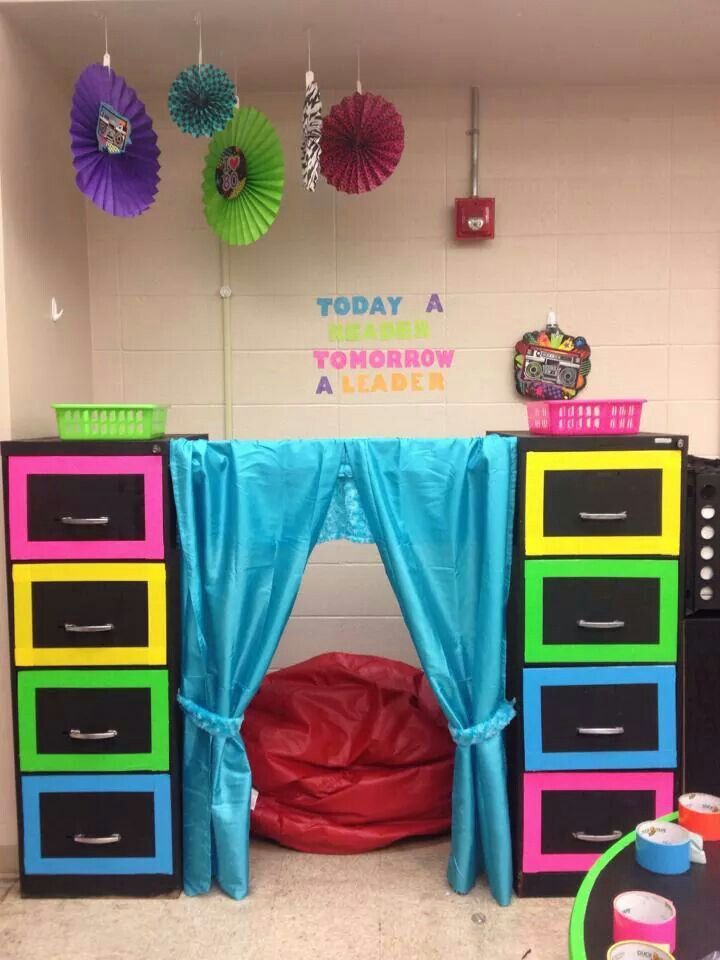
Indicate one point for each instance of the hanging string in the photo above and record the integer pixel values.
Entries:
(358, 84)
(237, 95)
(198, 21)
(309, 75)
(106, 57)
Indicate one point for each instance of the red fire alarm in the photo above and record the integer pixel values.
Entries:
(475, 218)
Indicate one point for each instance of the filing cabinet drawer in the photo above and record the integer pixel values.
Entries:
(570, 819)
(89, 614)
(113, 824)
(601, 611)
(590, 718)
(603, 502)
(93, 720)
(86, 508)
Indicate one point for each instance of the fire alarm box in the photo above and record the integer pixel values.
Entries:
(475, 218)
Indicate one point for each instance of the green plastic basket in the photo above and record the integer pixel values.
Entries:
(110, 421)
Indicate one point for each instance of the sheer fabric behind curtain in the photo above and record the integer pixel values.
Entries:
(249, 515)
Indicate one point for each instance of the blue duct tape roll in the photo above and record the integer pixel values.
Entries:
(662, 847)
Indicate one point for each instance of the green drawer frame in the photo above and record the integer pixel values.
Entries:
(665, 651)
(29, 681)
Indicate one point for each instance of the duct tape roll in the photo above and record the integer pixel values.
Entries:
(637, 950)
(638, 915)
(700, 812)
(662, 847)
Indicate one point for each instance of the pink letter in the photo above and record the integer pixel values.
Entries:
(320, 356)
(412, 358)
(338, 358)
(358, 358)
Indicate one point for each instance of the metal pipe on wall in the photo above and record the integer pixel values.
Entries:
(475, 141)
(226, 297)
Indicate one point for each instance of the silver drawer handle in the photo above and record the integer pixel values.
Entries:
(104, 735)
(601, 624)
(622, 515)
(85, 521)
(90, 628)
(601, 731)
(597, 837)
(97, 841)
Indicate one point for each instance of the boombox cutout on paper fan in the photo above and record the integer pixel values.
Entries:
(550, 364)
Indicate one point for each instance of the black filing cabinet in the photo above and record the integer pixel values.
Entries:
(92, 576)
(592, 648)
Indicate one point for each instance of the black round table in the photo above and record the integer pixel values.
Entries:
(696, 896)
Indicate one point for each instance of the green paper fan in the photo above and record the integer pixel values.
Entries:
(243, 178)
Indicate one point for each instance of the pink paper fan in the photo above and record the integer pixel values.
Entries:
(362, 141)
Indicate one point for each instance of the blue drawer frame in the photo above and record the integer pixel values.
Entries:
(535, 678)
(157, 784)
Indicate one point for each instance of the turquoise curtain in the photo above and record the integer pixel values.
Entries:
(249, 515)
(441, 513)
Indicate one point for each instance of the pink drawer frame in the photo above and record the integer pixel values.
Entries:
(535, 784)
(151, 548)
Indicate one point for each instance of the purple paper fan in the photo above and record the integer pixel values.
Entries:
(124, 183)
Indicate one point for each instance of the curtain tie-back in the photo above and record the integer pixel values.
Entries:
(210, 722)
(485, 730)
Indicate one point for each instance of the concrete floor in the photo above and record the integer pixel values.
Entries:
(390, 905)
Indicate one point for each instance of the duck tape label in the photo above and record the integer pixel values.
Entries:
(637, 950)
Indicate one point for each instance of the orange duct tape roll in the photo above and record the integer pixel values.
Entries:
(637, 950)
(700, 812)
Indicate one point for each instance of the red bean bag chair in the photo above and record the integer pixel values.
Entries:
(348, 753)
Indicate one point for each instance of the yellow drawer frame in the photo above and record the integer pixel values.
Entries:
(537, 464)
(28, 655)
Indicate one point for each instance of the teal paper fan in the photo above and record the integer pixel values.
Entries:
(243, 178)
(201, 99)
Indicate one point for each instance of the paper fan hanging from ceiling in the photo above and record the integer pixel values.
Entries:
(244, 178)
(362, 141)
(312, 128)
(114, 147)
(201, 99)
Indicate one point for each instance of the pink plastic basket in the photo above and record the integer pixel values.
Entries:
(582, 417)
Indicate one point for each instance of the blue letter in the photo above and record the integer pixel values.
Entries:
(378, 306)
(360, 305)
(324, 304)
(394, 304)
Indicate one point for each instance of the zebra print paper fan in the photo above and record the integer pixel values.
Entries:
(312, 130)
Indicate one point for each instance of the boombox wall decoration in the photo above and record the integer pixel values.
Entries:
(550, 364)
